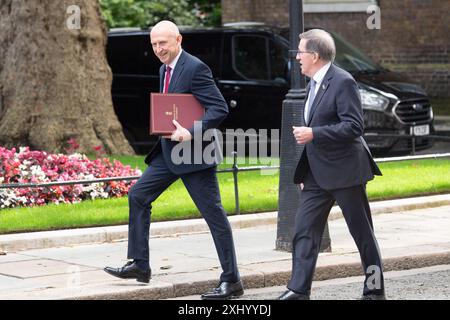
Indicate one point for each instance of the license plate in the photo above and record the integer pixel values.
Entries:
(420, 130)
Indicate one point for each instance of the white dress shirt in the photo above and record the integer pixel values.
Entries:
(172, 66)
(318, 78)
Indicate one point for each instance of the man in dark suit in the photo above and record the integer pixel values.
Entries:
(335, 165)
(182, 73)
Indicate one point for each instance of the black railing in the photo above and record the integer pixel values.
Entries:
(235, 169)
(409, 137)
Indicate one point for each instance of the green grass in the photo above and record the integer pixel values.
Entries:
(410, 178)
(257, 193)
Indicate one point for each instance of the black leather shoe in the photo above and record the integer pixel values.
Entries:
(291, 295)
(130, 271)
(373, 297)
(225, 290)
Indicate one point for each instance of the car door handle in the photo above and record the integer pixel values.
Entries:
(234, 88)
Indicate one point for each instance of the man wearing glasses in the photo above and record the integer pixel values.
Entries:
(335, 165)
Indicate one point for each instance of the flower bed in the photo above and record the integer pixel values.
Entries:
(26, 166)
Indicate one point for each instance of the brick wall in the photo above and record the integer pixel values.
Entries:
(413, 39)
(273, 12)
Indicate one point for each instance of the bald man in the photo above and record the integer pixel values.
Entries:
(182, 73)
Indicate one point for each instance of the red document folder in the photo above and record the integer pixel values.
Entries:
(165, 107)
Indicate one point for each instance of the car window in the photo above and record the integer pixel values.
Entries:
(351, 58)
(123, 54)
(278, 55)
(348, 56)
(250, 58)
(207, 47)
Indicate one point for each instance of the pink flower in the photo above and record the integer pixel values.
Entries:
(36, 166)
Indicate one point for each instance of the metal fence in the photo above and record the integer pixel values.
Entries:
(235, 170)
(409, 137)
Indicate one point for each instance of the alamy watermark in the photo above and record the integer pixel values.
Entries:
(374, 20)
(373, 281)
(73, 22)
(252, 147)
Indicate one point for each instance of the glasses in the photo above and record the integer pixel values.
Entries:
(300, 52)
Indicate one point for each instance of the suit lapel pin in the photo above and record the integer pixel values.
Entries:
(323, 87)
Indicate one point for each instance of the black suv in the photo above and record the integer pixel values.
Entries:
(251, 67)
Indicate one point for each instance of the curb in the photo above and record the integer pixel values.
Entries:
(261, 279)
(70, 237)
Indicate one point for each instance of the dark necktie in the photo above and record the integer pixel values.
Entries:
(167, 82)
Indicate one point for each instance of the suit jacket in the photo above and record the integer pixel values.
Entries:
(338, 156)
(191, 75)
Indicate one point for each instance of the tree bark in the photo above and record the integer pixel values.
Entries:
(55, 82)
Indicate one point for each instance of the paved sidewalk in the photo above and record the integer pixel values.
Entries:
(412, 233)
(50, 239)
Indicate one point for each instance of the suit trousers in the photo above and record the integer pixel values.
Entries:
(311, 217)
(204, 191)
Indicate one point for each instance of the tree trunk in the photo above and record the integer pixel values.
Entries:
(55, 82)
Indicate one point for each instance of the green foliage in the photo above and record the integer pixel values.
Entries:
(144, 13)
(208, 12)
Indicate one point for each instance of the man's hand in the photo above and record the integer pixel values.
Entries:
(180, 134)
(303, 135)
